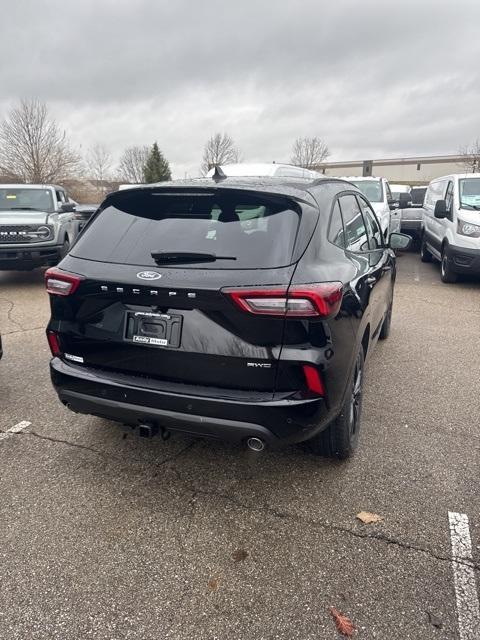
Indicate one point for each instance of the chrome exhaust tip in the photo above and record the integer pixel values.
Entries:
(255, 444)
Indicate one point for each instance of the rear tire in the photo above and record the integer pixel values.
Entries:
(65, 249)
(448, 275)
(340, 438)
(416, 243)
(425, 255)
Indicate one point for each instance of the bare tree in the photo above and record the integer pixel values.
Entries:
(471, 157)
(219, 149)
(309, 152)
(132, 164)
(98, 162)
(33, 148)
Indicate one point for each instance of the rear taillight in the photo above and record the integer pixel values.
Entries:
(299, 301)
(60, 283)
(54, 343)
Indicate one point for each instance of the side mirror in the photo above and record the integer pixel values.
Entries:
(392, 204)
(404, 200)
(440, 210)
(400, 241)
(67, 207)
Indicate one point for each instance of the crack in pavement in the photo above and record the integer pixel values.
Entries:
(176, 455)
(9, 333)
(9, 313)
(285, 515)
(60, 441)
(265, 508)
(99, 452)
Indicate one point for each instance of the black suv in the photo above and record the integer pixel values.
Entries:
(231, 308)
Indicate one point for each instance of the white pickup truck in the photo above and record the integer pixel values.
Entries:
(37, 225)
(378, 192)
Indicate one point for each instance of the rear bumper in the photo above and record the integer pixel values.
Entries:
(12, 257)
(281, 421)
(464, 260)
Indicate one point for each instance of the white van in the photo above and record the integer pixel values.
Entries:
(451, 224)
(377, 191)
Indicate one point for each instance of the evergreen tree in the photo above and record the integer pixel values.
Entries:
(156, 167)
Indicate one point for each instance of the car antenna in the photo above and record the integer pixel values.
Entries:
(218, 174)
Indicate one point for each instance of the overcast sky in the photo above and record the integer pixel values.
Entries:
(373, 78)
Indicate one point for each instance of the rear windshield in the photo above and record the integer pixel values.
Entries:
(372, 189)
(244, 230)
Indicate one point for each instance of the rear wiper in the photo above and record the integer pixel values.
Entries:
(170, 257)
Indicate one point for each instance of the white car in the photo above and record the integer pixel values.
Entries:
(122, 187)
(266, 170)
(451, 225)
(377, 191)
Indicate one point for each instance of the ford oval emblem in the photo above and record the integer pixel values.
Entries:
(149, 275)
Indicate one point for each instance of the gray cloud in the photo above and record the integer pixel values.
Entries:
(374, 78)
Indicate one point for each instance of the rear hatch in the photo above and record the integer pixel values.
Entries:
(158, 270)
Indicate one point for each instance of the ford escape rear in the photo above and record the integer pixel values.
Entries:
(234, 309)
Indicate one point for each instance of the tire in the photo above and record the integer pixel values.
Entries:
(425, 255)
(385, 330)
(416, 243)
(65, 249)
(448, 275)
(340, 438)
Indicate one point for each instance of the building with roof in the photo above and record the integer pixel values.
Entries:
(411, 170)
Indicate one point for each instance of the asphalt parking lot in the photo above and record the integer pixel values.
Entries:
(104, 535)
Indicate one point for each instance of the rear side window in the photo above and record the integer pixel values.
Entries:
(356, 238)
(244, 230)
(336, 233)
